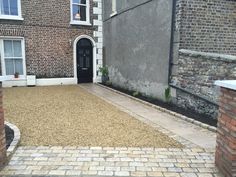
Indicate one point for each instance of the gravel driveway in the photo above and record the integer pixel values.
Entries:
(70, 116)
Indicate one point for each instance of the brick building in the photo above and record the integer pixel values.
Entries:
(59, 42)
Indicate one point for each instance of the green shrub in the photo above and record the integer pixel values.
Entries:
(136, 93)
(168, 94)
(104, 70)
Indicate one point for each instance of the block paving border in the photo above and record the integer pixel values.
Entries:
(16, 140)
(175, 114)
(111, 161)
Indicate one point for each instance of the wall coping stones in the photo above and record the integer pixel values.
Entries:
(12, 148)
(230, 84)
(206, 55)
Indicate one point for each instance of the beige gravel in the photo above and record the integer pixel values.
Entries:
(70, 116)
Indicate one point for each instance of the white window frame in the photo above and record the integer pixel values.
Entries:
(77, 22)
(13, 17)
(12, 77)
(114, 8)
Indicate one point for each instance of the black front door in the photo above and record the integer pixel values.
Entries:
(84, 61)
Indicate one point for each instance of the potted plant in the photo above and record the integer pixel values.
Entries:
(105, 72)
(16, 75)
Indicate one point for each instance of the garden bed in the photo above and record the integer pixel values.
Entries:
(170, 106)
(9, 133)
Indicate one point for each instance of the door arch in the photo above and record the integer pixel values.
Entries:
(84, 40)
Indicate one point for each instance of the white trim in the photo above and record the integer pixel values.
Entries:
(56, 81)
(40, 82)
(80, 23)
(11, 17)
(14, 17)
(230, 84)
(2, 56)
(12, 83)
(77, 22)
(94, 56)
(113, 14)
(114, 8)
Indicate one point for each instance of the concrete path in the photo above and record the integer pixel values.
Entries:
(195, 134)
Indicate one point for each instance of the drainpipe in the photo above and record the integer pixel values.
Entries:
(172, 40)
(171, 58)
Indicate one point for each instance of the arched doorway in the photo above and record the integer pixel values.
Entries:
(84, 60)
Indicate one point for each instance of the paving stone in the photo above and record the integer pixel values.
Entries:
(139, 173)
(166, 164)
(205, 175)
(169, 174)
(188, 175)
(39, 172)
(33, 167)
(156, 174)
(57, 172)
(136, 164)
(89, 172)
(112, 169)
(122, 173)
(23, 172)
(105, 173)
(73, 172)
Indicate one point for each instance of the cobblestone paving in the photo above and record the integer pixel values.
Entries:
(97, 161)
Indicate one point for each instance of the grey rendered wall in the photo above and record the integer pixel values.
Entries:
(137, 44)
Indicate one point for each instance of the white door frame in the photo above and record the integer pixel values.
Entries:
(94, 56)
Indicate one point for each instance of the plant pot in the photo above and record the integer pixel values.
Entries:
(16, 76)
(105, 79)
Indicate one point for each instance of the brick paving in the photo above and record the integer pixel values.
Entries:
(110, 161)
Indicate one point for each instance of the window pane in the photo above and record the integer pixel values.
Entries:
(76, 12)
(79, 13)
(17, 49)
(9, 67)
(13, 7)
(83, 13)
(5, 9)
(19, 66)
(8, 48)
(79, 1)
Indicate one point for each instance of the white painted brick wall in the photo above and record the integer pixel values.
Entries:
(98, 34)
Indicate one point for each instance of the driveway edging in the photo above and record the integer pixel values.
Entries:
(12, 148)
(176, 115)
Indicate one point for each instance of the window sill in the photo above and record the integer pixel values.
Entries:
(113, 14)
(11, 18)
(12, 78)
(80, 23)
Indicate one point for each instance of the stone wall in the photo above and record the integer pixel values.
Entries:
(226, 133)
(197, 72)
(205, 29)
(3, 157)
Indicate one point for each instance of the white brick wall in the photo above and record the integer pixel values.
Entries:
(98, 34)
